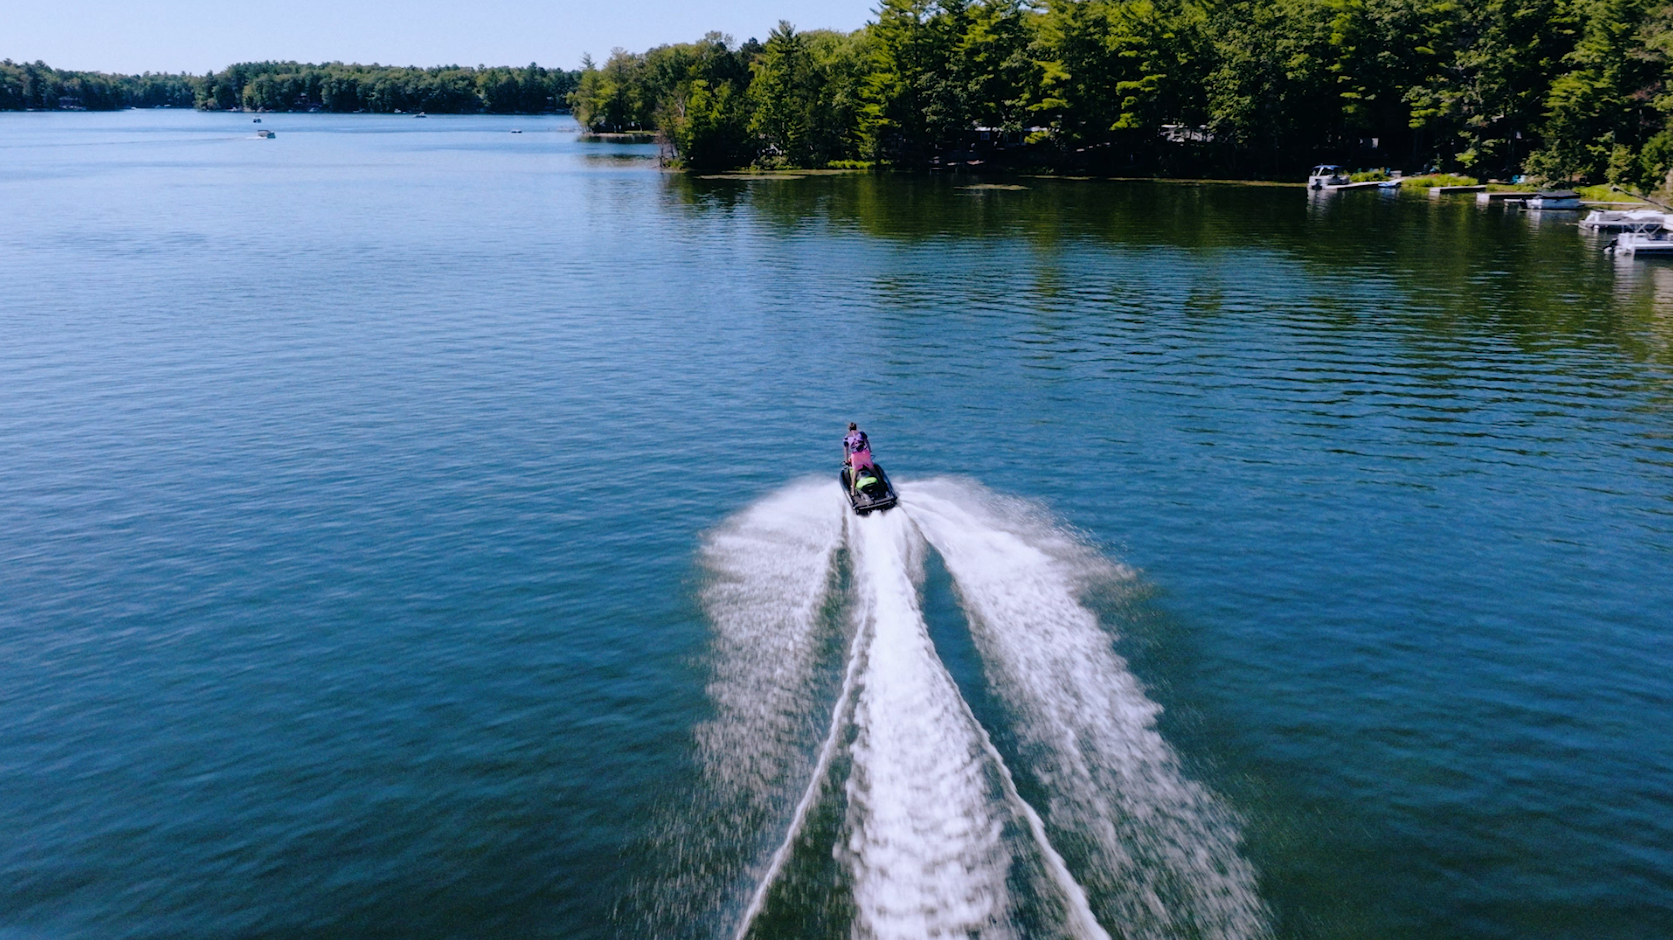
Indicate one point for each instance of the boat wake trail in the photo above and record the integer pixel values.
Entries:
(769, 575)
(931, 838)
(1164, 852)
(926, 845)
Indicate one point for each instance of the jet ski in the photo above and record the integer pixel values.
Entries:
(874, 492)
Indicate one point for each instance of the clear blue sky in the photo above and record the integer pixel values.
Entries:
(197, 35)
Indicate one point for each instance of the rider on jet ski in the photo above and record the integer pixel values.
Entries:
(856, 440)
(857, 450)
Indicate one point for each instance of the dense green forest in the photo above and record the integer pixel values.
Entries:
(292, 86)
(36, 86)
(1561, 89)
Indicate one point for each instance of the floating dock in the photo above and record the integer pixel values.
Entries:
(1483, 199)
(1436, 192)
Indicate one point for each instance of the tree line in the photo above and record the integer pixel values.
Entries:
(36, 86)
(1567, 90)
(383, 89)
(293, 86)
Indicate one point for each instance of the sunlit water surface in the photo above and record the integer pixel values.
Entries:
(408, 532)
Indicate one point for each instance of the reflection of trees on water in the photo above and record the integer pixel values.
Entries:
(1636, 278)
(1647, 284)
(621, 158)
(1430, 269)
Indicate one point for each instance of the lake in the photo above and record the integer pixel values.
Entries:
(416, 529)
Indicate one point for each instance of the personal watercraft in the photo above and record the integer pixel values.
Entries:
(874, 492)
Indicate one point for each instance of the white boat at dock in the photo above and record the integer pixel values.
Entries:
(1629, 220)
(1554, 199)
(1658, 243)
(1327, 176)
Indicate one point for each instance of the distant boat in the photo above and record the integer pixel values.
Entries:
(1554, 199)
(420, 114)
(515, 131)
(256, 121)
(266, 134)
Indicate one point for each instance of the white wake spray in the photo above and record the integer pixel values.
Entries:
(939, 843)
(768, 573)
(770, 570)
(1165, 860)
(927, 843)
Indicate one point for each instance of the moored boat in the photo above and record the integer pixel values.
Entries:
(1633, 244)
(1327, 175)
(1630, 220)
(1559, 199)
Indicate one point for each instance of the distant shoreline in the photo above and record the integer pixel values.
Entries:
(1594, 196)
(293, 87)
(566, 112)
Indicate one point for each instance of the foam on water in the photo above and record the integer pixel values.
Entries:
(827, 752)
(939, 843)
(770, 569)
(1163, 852)
(926, 844)
(768, 576)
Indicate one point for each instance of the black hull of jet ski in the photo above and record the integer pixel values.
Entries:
(864, 503)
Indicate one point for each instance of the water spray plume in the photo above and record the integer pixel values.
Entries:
(937, 842)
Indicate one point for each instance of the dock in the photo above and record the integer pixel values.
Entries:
(1484, 199)
(1436, 192)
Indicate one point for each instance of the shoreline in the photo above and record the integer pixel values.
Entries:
(1594, 199)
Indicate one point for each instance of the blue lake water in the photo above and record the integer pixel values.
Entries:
(414, 529)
